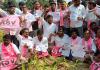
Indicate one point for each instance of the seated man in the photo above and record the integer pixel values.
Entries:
(25, 43)
(41, 44)
(88, 44)
(77, 50)
(61, 41)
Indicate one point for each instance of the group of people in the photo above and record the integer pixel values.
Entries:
(59, 29)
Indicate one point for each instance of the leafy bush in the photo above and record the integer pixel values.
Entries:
(55, 64)
(1, 35)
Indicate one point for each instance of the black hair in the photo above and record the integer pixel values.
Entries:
(74, 30)
(11, 4)
(87, 30)
(46, 6)
(98, 28)
(97, 53)
(7, 36)
(52, 2)
(23, 30)
(49, 16)
(60, 28)
(93, 3)
(39, 32)
(21, 4)
(36, 1)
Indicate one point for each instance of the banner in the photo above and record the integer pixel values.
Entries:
(10, 22)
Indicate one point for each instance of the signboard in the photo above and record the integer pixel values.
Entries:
(9, 22)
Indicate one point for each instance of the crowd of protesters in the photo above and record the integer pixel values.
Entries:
(69, 30)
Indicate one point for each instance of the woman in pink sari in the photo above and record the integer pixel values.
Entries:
(9, 54)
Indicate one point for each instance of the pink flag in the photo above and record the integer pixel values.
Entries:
(56, 51)
(89, 22)
(61, 18)
(24, 51)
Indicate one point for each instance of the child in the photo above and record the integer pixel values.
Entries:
(9, 53)
(88, 45)
(96, 63)
(26, 42)
(41, 44)
(76, 45)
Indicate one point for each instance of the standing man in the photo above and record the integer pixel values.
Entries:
(77, 14)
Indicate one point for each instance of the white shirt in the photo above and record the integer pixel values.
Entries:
(64, 41)
(25, 41)
(29, 19)
(49, 29)
(3, 13)
(77, 48)
(91, 16)
(67, 1)
(75, 13)
(64, 13)
(14, 47)
(93, 46)
(56, 16)
(41, 45)
(38, 13)
(18, 11)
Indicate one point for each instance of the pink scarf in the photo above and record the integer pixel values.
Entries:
(89, 22)
(98, 43)
(89, 43)
(61, 18)
(74, 41)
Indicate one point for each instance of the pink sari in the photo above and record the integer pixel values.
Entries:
(9, 57)
(95, 66)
